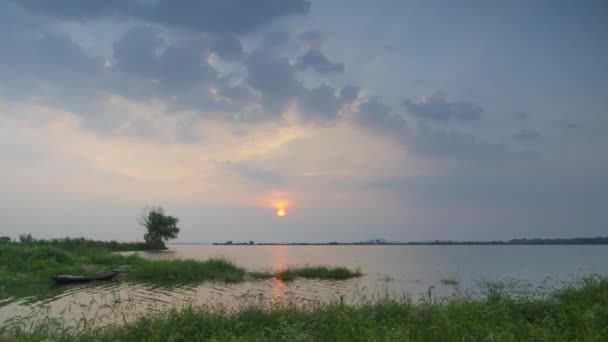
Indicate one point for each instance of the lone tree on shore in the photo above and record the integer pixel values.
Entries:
(160, 227)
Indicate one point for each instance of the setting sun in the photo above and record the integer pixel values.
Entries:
(280, 212)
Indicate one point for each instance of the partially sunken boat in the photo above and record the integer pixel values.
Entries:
(70, 278)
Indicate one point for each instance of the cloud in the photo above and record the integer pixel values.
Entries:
(376, 117)
(316, 61)
(220, 16)
(349, 93)
(254, 175)
(146, 66)
(227, 46)
(275, 79)
(29, 50)
(451, 144)
(135, 51)
(566, 124)
(438, 108)
(311, 38)
(46, 65)
(527, 135)
(521, 115)
(320, 103)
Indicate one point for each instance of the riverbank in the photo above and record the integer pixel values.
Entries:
(577, 312)
(22, 264)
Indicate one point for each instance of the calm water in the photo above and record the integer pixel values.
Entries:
(415, 270)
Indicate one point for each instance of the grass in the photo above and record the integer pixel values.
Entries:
(318, 272)
(187, 271)
(80, 244)
(25, 264)
(21, 265)
(577, 313)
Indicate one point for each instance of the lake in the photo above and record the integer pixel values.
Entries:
(394, 270)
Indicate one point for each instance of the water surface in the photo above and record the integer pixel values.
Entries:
(397, 270)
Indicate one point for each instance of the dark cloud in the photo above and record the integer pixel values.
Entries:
(175, 65)
(377, 117)
(43, 54)
(57, 56)
(521, 115)
(39, 63)
(275, 39)
(228, 47)
(135, 51)
(526, 135)
(349, 93)
(313, 58)
(566, 124)
(320, 103)
(79, 10)
(184, 65)
(450, 144)
(435, 143)
(223, 16)
(146, 66)
(390, 47)
(311, 38)
(316, 61)
(275, 79)
(437, 108)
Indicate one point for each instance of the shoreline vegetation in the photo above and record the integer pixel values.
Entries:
(577, 312)
(35, 261)
(513, 242)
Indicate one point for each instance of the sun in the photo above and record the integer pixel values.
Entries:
(281, 212)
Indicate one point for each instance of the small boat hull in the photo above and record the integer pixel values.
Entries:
(69, 278)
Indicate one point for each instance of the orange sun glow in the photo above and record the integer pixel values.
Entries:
(281, 212)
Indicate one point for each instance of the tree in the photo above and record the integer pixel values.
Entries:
(5, 239)
(160, 227)
(26, 239)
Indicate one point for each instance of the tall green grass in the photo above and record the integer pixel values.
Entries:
(318, 272)
(187, 271)
(22, 264)
(577, 313)
(79, 244)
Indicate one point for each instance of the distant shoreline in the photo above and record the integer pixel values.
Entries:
(512, 242)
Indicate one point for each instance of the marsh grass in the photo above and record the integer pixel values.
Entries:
(29, 265)
(578, 312)
(318, 272)
(187, 271)
(79, 244)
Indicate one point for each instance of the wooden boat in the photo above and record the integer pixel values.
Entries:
(70, 278)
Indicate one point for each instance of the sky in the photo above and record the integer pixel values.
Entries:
(386, 119)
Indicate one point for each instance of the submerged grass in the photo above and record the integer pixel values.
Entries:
(577, 313)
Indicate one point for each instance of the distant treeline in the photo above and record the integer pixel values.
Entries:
(573, 241)
(75, 244)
